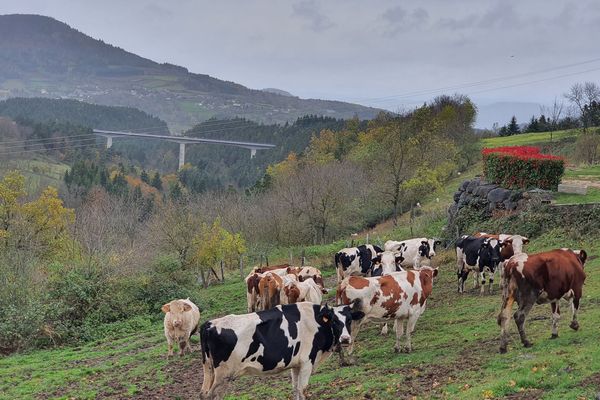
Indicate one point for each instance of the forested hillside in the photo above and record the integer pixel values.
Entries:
(40, 56)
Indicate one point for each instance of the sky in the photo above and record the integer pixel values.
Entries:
(387, 54)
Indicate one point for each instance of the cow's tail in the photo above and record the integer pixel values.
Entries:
(207, 362)
(337, 260)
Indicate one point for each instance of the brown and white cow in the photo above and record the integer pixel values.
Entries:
(311, 272)
(400, 296)
(541, 278)
(296, 291)
(181, 322)
(269, 290)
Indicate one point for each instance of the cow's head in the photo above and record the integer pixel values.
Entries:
(339, 319)
(426, 248)
(386, 262)
(176, 310)
(582, 255)
(490, 252)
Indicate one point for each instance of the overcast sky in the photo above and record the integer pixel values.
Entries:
(374, 52)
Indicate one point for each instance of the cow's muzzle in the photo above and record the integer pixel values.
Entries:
(345, 341)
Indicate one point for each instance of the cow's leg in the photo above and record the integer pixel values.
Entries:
(384, 329)
(304, 373)
(482, 276)
(555, 318)
(399, 328)
(504, 317)
(521, 314)
(295, 372)
(491, 279)
(217, 390)
(410, 328)
(208, 379)
(462, 278)
(169, 346)
(182, 347)
(574, 308)
(501, 268)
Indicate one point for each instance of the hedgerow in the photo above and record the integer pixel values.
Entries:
(522, 167)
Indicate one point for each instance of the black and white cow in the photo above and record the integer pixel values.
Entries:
(413, 251)
(386, 263)
(355, 260)
(295, 336)
(480, 255)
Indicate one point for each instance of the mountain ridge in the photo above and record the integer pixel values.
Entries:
(41, 56)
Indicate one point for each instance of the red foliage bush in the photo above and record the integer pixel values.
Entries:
(522, 167)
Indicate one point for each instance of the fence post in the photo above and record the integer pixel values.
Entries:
(303, 261)
(267, 259)
(291, 258)
(241, 265)
(367, 239)
(222, 272)
(261, 259)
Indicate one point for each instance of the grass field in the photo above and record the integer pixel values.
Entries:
(39, 172)
(455, 355)
(529, 138)
(586, 173)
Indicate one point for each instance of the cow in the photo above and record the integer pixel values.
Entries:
(355, 260)
(541, 278)
(295, 292)
(314, 273)
(252, 281)
(386, 262)
(297, 337)
(478, 254)
(512, 244)
(267, 268)
(413, 251)
(269, 290)
(181, 322)
(399, 296)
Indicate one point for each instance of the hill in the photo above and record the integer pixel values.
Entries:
(40, 56)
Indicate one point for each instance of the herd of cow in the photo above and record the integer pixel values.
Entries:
(287, 327)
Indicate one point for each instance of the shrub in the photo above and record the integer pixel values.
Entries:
(522, 167)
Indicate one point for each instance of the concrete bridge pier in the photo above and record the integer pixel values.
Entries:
(181, 155)
(108, 142)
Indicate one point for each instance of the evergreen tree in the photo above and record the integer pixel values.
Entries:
(533, 126)
(175, 192)
(144, 177)
(513, 127)
(156, 182)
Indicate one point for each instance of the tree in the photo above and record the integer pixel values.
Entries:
(513, 127)
(156, 181)
(144, 177)
(582, 95)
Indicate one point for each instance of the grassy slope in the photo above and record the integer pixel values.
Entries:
(38, 171)
(455, 348)
(529, 138)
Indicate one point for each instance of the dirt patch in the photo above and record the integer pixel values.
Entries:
(186, 378)
(529, 394)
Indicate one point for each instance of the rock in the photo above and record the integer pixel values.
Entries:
(463, 186)
(498, 195)
(473, 185)
(457, 196)
(483, 190)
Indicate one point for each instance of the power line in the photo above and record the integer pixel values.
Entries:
(45, 150)
(479, 83)
(27, 144)
(45, 139)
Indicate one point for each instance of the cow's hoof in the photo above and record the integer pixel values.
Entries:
(348, 361)
(403, 349)
(502, 350)
(527, 343)
(574, 325)
(554, 336)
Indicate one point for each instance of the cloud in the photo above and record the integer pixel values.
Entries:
(398, 20)
(308, 11)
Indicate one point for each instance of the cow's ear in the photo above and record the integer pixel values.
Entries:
(166, 308)
(356, 304)
(356, 315)
(376, 259)
(186, 307)
(525, 240)
(424, 242)
(582, 256)
(506, 242)
(435, 272)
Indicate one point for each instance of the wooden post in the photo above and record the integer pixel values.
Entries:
(222, 272)
(261, 260)
(267, 259)
(303, 261)
(241, 265)
(291, 258)
(367, 239)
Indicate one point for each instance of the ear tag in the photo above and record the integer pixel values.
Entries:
(325, 319)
